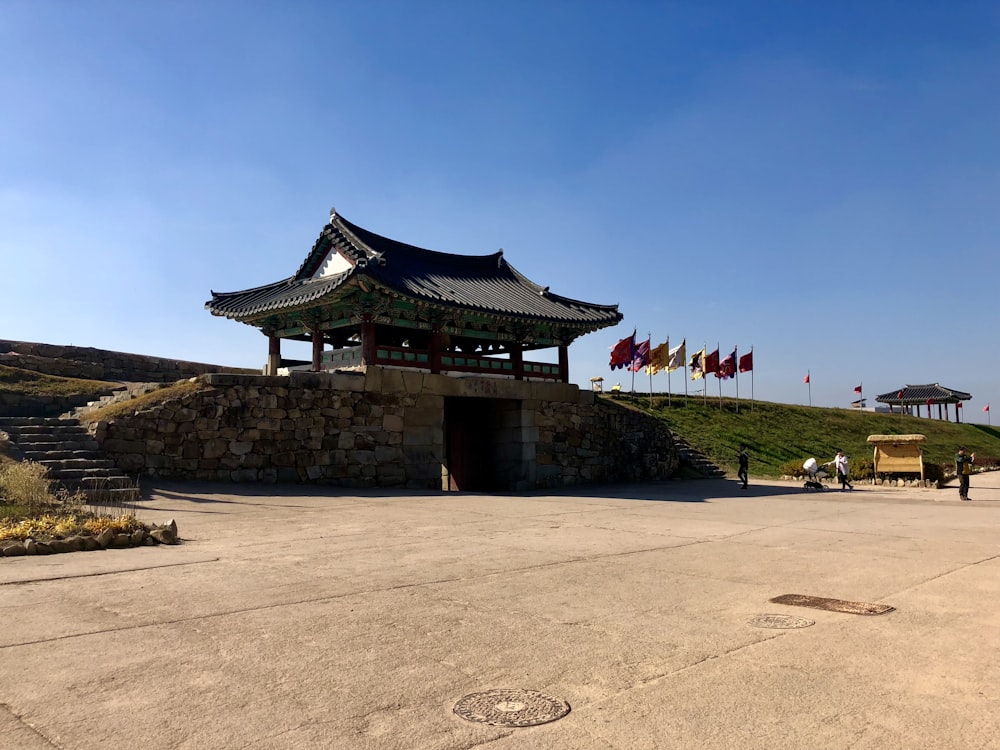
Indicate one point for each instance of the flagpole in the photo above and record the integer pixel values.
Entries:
(685, 359)
(809, 382)
(704, 377)
(752, 405)
(668, 372)
(649, 369)
(736, 374)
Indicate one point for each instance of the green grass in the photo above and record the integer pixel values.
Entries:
(779, 433)
(31, 383)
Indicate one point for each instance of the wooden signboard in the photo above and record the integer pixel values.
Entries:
(898, 453)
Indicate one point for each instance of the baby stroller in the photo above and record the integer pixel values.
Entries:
(815, 472)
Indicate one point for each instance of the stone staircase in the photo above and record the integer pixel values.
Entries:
(696, 460)
(72, 457)
(126, 392)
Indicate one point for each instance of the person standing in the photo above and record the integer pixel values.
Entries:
(744, 458)
(842, 465)
(963, 467)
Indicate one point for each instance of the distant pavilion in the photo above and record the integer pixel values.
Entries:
(910, 396)
(363, 299)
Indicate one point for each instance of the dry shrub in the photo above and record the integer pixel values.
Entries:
(24, 483)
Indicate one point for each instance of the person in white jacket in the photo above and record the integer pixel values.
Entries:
(843, 470)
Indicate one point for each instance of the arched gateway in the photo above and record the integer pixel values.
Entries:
(363, 299)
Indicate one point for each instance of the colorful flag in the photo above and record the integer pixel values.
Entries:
(746, 362)
(958, 405)
(641, 357)
(900, 395)
(677, 356)
(930, 402)
(806, 378)
(986, 408)
(659, 358)
(712, 362)
(857, 389)
(697, 364)
(623, 352)
(727, 367)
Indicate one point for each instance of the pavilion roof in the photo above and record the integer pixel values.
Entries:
(910, 395)
(481, 283)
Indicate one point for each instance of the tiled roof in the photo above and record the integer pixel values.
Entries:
(919, 394)
(485, 283)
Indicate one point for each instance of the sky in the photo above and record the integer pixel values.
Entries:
(818, 181)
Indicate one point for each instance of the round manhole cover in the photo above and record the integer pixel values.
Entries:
(511, 708)
(780, 622)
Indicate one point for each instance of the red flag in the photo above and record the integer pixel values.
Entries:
(986, 408)
(712, 362)
(806, 378)
(958, 405)
(727, 367)
(623, 352)
(746, 362)
(857, 389)
(641, 357)
(900, 395)
(930, 402)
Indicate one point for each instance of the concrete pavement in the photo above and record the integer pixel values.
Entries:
(305, 617)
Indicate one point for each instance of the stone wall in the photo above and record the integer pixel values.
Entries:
(100, 364)
(385, 428)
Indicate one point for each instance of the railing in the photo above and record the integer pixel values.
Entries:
(404, 356)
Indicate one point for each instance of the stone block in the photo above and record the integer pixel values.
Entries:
(240, 447)
(214, 448)
(392, 423)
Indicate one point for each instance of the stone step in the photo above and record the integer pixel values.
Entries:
(32, 455)
(50, 438)
(44, 429)
(66, 475)
(63, 464)
(113, 496)
(66, 445)
(107, 483)
(32, 421)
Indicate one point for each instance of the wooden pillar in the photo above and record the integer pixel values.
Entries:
(947, 416)
(435, 350)
(939, 411)
(367, 340)
(273, 355)
(317, 342)
(958, 412)
(517, 359)
(563, 364)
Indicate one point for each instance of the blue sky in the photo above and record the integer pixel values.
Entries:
(820, 181)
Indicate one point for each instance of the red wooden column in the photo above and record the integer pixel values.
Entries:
(564, 363)
(435, 350)
(517, 359)
(367, 340)
(317, 342)
(273, 355)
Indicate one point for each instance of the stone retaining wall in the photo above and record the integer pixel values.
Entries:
(100, 364)
(385, 428)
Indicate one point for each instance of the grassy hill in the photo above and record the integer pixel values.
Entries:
(781, 433)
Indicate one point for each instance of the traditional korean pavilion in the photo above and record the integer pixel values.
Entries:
(914, 396)
(363, 299)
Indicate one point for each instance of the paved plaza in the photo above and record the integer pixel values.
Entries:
(307, 617)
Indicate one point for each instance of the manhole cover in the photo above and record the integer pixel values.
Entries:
(511, 708)
(780, 622)
(833, 605)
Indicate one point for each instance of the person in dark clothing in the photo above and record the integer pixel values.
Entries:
(963, 467)
(744, 458)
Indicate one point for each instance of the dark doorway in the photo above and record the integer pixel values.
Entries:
(478, 437)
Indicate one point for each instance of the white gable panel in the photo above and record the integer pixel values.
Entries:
(334, 263)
